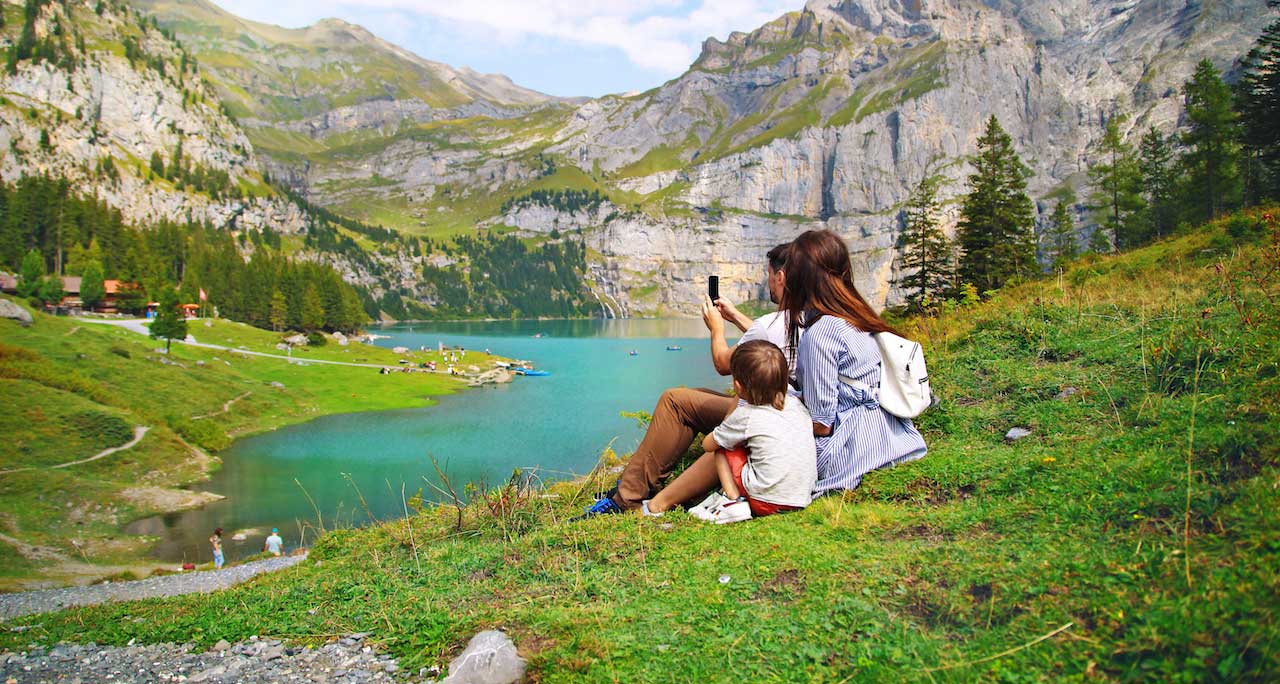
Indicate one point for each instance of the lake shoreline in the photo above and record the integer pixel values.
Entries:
(543, 424)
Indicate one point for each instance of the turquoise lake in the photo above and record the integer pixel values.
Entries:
(555, 426)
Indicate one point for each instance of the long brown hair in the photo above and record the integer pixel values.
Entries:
(820, 283)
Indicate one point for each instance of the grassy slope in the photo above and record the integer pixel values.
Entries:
(68, 380)
(1142, 513)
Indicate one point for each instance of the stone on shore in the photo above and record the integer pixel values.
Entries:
(490, 658)
(14, 312)
(1015, 434)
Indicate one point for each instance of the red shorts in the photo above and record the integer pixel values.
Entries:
(737, 458)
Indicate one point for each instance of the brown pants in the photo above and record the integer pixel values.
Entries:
(679, 416)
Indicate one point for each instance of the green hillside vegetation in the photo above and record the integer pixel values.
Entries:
(248, 57)
(78, 388)
(1132, 537)
(43, 218)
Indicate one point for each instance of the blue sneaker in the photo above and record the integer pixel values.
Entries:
(605, 505)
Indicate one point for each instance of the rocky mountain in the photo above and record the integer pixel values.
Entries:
(824, 117)
(827, 117)
(93, 91)
(96, 93)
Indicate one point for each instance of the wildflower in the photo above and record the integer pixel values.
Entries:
(1049, 459)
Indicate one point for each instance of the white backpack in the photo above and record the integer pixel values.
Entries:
(904, 381)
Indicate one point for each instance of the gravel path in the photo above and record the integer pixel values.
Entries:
(30, 602)
(139, 326)
(138, 433)
(257, 661)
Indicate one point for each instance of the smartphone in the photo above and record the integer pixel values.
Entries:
(713, 287)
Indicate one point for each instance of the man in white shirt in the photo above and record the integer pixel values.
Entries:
(682, 413)
(274, 544)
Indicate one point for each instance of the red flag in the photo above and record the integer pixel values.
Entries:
(203, 296)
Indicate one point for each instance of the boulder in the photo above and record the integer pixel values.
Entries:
(12, 311)
(1015, 434)
(497, 376)
(490, 658)
(298, 340)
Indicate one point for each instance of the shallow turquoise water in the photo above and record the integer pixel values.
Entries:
(555, 426)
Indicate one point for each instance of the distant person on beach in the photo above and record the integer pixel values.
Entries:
(216, 541)
(762, 454)
(274, 544)
(681, 412)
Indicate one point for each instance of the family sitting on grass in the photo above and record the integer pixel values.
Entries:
(805, 420)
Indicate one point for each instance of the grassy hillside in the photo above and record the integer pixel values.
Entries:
(77, 388)
(1132, 537)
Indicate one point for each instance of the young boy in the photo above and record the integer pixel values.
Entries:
(765, 454)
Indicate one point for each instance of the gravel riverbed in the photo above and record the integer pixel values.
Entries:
(256, 661)
(48, 600)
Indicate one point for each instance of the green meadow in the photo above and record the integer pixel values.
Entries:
(1133, 536)
(76, 388)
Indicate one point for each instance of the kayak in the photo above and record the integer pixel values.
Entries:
(532, 373)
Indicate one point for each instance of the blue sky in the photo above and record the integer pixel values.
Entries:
(561, 47)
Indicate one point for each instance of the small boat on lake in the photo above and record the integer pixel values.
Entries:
(633, 353)
(673, 347)
(531, 372)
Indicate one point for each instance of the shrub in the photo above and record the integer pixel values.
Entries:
(203, 433)
(1243, 228)
(98, 426)
(316, 339)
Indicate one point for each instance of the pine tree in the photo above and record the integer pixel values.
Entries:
(169, 322)
(1099, 242)
(1155, 163)
(312, 310)
(92, 289)
(32, 273)
(279, 311)
(1061, 245)
(51, 290)
(1117, 184)
(1257, 95)
(925, 255)
(157, 164)
(1212, 154)
(997, 219)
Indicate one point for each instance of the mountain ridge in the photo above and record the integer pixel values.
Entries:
(825, 117)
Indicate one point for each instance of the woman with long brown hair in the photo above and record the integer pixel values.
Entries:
(838, 365)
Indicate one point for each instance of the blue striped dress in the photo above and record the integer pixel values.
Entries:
(863, 437)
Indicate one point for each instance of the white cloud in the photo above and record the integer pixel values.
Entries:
(662, 36)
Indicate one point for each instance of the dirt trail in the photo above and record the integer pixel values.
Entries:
(138, 433)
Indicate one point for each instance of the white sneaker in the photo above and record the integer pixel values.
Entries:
(644, 506)
(731, 512)
(703, 510)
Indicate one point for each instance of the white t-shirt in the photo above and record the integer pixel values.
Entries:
(783, 465)
(772, 327)
(274, 542)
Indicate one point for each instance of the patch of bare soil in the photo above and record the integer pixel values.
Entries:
(167, 500)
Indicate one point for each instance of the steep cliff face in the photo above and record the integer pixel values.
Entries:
(823, 118)
(101, 95)
(829, 116)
